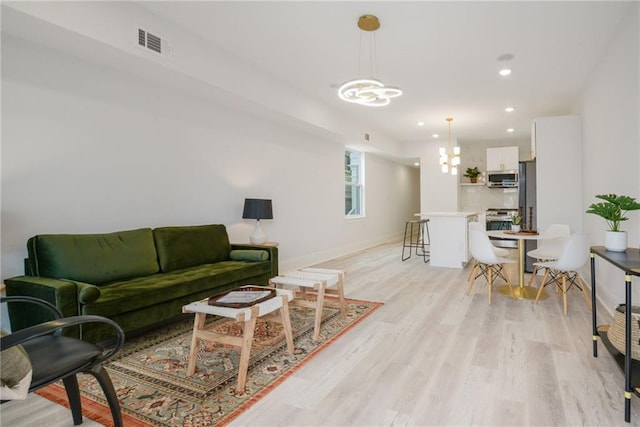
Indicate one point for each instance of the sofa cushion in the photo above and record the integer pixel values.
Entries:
(94, 258)
(188, 246)
(136, 294)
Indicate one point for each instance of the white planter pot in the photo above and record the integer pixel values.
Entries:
(515, 228)
(615, 241)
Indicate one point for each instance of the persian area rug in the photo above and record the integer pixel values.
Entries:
(149, 372)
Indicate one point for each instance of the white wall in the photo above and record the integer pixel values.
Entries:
(611, 145)
(87, 148)
(438, 191)
(559, 171)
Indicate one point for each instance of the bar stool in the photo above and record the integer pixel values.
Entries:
(421, 242)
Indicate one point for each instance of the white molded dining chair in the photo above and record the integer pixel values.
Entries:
(549, 249)
(488, 264)
(565, 269)
(501, 252)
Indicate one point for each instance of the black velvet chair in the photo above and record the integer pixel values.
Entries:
(56, 357)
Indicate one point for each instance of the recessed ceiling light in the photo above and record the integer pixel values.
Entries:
(435, 135)
(420, 123)
(416, 164)
(510, 130)
(505, 72)
(509, 109)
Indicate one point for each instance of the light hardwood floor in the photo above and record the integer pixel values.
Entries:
(434, 356)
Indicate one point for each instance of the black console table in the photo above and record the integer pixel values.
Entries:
(629, 262)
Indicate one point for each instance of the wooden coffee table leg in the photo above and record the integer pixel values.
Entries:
(343, 303)
(247, 340)
(286, 323)
(319, 305)
(198, 324)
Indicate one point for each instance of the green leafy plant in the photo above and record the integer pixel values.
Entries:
(613, 209)
(472, 172)
(516, 219)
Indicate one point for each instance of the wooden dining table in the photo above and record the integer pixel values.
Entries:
(522, 291)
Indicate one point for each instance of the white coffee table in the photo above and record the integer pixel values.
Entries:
(320, 281)
(247, 315)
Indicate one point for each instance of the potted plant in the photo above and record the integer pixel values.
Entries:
(516, 220)
(614, 210)
(472, 174)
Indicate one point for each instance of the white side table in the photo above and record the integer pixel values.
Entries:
(247, 315)
(318, 280)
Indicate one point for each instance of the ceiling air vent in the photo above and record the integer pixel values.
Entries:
(153, 42)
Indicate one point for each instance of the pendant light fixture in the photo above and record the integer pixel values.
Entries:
(449, 158)
(368, 91)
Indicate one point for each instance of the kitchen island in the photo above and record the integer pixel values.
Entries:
(449, 237)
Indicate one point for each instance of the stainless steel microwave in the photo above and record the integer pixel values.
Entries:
(502, 179)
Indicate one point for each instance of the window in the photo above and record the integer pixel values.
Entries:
(354, 183)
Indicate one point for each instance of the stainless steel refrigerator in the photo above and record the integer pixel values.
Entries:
(527, 204)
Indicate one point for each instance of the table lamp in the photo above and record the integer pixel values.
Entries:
(257, 209)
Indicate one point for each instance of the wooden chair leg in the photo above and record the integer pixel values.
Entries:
(475, 264)
(533, 275)
(584, 291)
(490, 284)
(472, 277)
(564, 294)
(542, 284)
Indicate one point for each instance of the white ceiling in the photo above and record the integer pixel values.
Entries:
(444, 55)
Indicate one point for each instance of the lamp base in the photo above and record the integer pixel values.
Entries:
(258, 237)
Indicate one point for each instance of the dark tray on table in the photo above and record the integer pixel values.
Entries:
(243, 297)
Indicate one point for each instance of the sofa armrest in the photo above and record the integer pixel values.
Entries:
(61, 293)
(87, 294)
(272, 250)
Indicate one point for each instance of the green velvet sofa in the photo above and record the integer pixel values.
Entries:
(138, 278)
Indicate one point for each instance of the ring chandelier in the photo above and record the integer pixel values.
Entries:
(368, 91)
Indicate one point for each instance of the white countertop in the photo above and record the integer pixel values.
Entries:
(447, 214)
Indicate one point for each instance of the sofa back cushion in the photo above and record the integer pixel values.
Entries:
(94, 258)
(187, 246)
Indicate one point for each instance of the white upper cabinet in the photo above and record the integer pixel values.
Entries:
(502, 158)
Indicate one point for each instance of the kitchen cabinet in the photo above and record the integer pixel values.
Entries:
(502, 158)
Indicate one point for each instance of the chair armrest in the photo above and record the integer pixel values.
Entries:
(53, 326)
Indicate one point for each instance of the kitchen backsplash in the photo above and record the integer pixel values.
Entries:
(478, 198)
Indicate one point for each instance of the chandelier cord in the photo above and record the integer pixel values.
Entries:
(360, 55)
(449, 152)
(374, 54)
